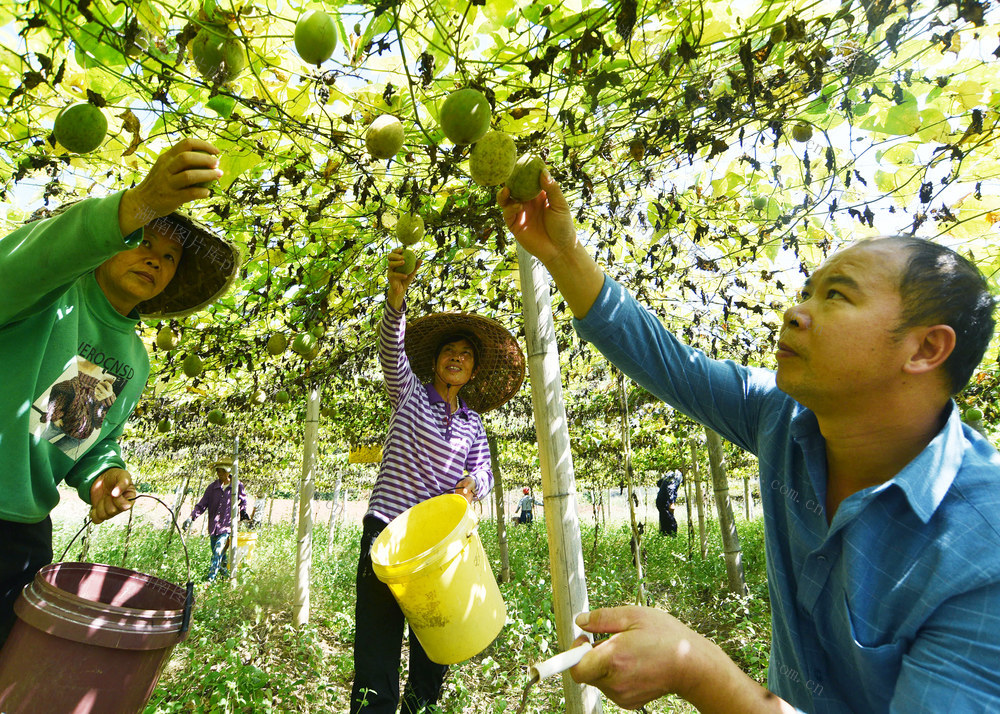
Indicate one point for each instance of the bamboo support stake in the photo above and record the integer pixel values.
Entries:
(569, 587)
(498, 491)
(234, 508)
(303, 557)
(727, 523)
(702, 532)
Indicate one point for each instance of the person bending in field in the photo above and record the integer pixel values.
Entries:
(880, 506)
(441, 372)
(73, 287)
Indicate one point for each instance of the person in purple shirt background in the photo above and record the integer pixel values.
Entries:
(441, 372)
(218, 501)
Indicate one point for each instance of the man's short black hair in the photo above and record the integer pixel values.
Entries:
(940, 287)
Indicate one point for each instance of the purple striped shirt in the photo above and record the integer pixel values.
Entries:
(427, 451)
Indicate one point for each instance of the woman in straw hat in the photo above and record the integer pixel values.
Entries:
(441, 373)
(73, 286)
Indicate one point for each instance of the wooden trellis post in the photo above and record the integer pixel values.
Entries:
(569, 586)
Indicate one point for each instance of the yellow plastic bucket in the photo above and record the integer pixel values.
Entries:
(431, 558)
(245, 542)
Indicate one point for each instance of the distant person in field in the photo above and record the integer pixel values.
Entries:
(441, 372)
(881, 508)
(74, 283)
(526, 507)
(218, 502)
(666, 497)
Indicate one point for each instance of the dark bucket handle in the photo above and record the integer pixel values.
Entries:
(189, 596)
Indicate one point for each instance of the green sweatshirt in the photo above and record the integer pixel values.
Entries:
(74, 368)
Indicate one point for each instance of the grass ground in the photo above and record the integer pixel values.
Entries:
(243, 653)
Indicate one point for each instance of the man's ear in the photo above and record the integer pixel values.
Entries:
(932, 347)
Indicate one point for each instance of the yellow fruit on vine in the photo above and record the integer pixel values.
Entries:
(637, 149)
(192, 365)
(465, 116)
(409, 228)
(315, 37)
(525, 180)
(384, 137)
(802, 132)
(276, 344)
(166, 339)
(80, 128)
(303, 343)
(492, 158)
(218, 54)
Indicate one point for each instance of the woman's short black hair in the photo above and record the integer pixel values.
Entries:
(477, 346)
(941, 287)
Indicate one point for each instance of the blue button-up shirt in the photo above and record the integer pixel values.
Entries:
(892, 607)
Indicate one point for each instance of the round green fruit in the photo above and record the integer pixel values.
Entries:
(409, 262)
(492, 158)
(409, 228)
(303, 343)
(259, 396)
(465, 116)
(317, 331)
(80, 128)
(973, 414)
(525, 180)
(218, 54)
(282, 397)
(276, 344)
(192, 365)
(802, 132)
(166, 339)
(217, 417)
(760, 203)
(384, 138)
(163, 426)
(315, 37)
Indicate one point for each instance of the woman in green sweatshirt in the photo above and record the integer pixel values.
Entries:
(72, 289)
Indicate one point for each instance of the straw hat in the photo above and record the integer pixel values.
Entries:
(206, 270)
(226, 462)
(499, 368)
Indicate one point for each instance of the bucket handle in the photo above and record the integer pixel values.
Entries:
(189, 595)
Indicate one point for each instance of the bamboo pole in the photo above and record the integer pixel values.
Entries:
(234, 508)
(569, 587)
(498, 491)
(727, 523)
(333, 512)
(702, 532)
(303, 559)
(636, 536)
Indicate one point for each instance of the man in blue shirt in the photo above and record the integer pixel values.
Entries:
(881, 507)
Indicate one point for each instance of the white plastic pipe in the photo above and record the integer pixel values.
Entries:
(560, 663)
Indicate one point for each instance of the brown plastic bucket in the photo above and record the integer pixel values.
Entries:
(90, 639)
